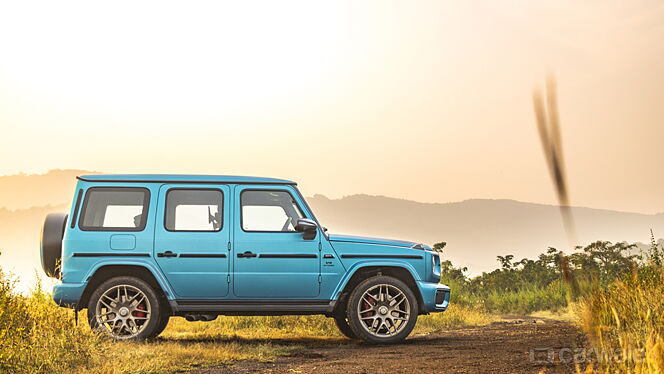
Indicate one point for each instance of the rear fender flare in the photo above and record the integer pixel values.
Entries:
(148, 265)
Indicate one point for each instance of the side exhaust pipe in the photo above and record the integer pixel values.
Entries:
(200, 317)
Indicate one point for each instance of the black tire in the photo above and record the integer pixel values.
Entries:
(51, 243)
(162, 324)
(357, 325)
(157, 310)
(342, 324)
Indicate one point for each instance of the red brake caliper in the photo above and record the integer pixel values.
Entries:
(367, 306)
(140, 314)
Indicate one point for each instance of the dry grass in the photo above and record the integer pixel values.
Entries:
(37, 336)
(167, 356)
(625, 323)
(566, 314)
(454, 316)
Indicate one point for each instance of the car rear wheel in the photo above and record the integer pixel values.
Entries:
(382, 310)
(126, 308)
(162, 324)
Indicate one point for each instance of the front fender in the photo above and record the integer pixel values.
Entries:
(359, 265)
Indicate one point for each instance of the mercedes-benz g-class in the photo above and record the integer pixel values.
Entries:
(137, 249)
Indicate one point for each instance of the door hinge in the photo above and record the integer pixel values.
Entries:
(229, 246)
(320, 246)
(320, 278)
(228, 278)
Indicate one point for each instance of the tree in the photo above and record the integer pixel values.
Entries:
(438, 247)
(506, 262)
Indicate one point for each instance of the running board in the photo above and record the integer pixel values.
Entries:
(253, 307)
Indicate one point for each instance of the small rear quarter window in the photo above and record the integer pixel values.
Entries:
(114, 209)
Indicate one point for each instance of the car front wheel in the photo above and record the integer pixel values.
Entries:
(382, 310)
(344, 328)
(126, 308)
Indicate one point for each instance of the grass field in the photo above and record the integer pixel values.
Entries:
(624, 323)
(625, 326)
(39, 337)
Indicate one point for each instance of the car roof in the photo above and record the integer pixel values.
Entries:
(181, 178)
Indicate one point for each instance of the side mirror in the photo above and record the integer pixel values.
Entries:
(308, 227)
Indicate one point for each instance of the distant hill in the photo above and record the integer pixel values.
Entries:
(25, 200)
(476, 230)
(23, 191)
(19, 240)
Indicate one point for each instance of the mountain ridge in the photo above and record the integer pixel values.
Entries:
(20, 191)
(478, 199)
(476, 230)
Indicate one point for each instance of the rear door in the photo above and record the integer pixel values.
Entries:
(192, 239)
(270, 259)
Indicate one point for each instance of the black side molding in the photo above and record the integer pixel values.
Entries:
(288, 255)
(382, 256)
(251, 302)
(203, 255)
(98, 254)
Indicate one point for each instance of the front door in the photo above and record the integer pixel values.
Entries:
(270, 259)
(192, 239)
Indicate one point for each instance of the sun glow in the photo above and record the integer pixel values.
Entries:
(381, 94)
(139, 57)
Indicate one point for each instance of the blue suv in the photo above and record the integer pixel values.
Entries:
(137, 249)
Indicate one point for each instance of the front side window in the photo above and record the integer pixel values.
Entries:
(269, 211)
(194, 210)
(115, 209)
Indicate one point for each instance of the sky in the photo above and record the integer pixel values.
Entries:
(424, 100)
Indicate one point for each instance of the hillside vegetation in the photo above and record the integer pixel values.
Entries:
(549, 282)
(616, 296)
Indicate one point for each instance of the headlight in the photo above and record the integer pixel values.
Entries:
(435, 265)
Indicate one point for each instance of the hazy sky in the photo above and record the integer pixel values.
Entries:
(425, 100)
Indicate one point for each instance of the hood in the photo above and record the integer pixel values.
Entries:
(378, 241)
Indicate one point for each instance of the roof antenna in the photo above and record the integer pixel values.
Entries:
(548, 125)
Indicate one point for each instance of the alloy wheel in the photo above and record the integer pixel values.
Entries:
(123, 311)
(384, 310)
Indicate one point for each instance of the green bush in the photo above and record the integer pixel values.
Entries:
(549, 282)
(527, 299)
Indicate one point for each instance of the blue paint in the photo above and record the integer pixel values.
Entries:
(206, 265)
(126, 242)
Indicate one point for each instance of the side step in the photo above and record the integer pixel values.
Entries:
(253, 307)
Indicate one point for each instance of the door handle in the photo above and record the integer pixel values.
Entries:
(167, 254)
(246, 254)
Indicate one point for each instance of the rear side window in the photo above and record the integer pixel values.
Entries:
(115, 209)
(194, 210)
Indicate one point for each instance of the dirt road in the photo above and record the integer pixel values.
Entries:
(518, 346)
